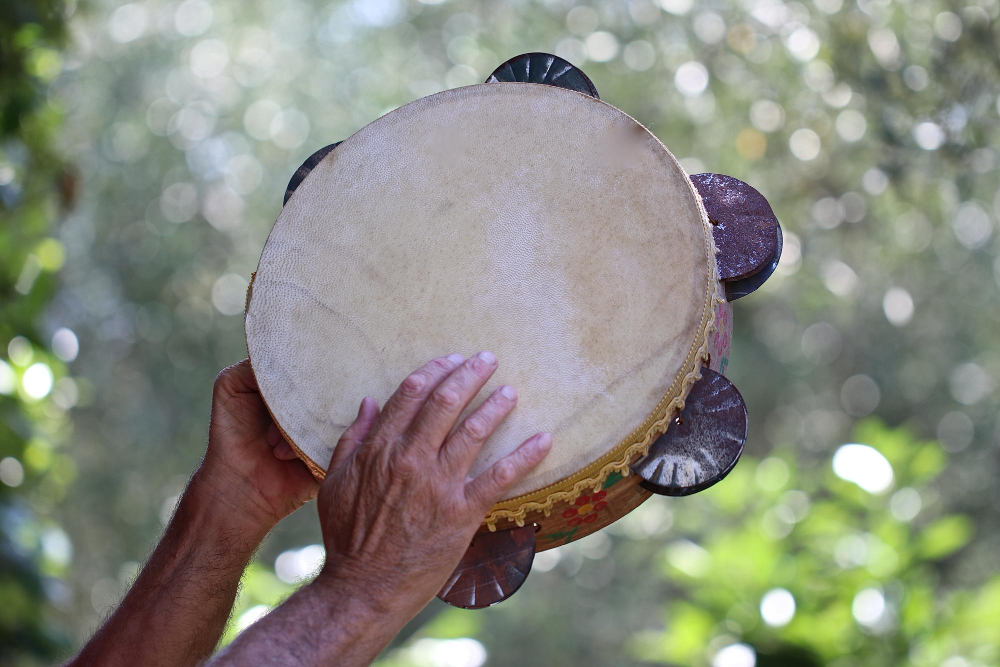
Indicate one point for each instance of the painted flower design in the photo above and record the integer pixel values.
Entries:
(721, 338)
(585, 509)
(723, 328)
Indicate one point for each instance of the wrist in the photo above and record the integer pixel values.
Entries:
(369, 592)
(358, 607)
(210, 506)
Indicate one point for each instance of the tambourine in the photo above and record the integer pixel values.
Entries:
(527, 217)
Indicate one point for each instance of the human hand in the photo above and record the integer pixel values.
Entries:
(249, 468)
(397, 507)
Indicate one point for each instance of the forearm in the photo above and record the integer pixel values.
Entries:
(323, 623)
(177, 608)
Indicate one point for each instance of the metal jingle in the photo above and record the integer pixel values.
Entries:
(544, 68)
(306, 167)
(702, 445)
(743, 225)
(736, 289)
(492, 568)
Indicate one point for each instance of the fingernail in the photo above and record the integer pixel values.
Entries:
(487, 356)
(456, 358)
(367, 405)
(543, 441)
(508, 392)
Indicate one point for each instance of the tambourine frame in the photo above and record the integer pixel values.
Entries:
(743, 247)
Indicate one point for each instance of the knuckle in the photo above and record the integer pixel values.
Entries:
(446, 398)
(221, 377)
(374, 443)
(442, 363)
(477, 427)
(413, 385)
(504, 472)
(403, 466)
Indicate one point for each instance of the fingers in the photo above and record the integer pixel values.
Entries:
(356, 432)
(404, 404)
(279, 446)
(439, 414)
(490, 486)
(285, 452)
(237, 378)
(461, 448)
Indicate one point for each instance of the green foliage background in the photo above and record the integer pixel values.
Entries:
(144, 150)
(35, 190)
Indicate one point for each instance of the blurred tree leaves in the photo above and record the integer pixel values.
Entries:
(35, 187)
(865, 586)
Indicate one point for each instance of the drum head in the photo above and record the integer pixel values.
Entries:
(535, 222)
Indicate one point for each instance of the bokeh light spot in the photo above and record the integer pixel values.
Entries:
(193, 17)
(735, 655)
(863, 465)
(229, 294)
(601, 46)
(296, 565)
(691, 78)
(289, 128)
(8, 378)
(766, 115)
(777, 607)
(804, 144)
(65, 344)
(179, 202)
(859, 395)
(868, 607)
(772, 473)
(905, 504)
(803, 44)
(839, 278)
(709, 27)
(970, 383)
(851, 125)
(11, 471)
(639, 55)
(678, 7)
(972, 225)
(19, 351)
(37, 380)
(928, 135)
(209, 58)
(251, 616)
(897, 304)
(127, 23)
(948, 26)
(751, 144)
(458, 652)
(688, 557)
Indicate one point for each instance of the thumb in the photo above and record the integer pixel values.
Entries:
(355, 433)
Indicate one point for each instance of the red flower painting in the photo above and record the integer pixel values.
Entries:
(585, 509)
